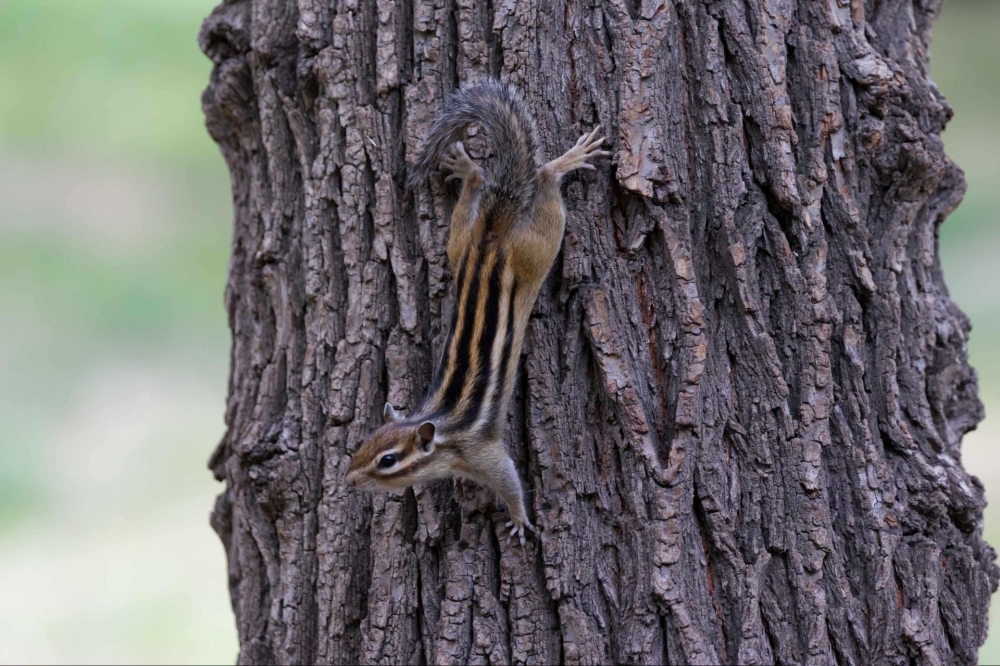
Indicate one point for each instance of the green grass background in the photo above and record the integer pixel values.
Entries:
(114, 232)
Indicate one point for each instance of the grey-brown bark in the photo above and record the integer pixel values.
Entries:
(744, 388)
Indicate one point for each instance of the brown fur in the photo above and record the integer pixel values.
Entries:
(502, 242)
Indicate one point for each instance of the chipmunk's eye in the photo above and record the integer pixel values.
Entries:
(387, 461)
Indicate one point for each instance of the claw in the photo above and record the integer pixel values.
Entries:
(588, 147)
(517, 531)
(586, 138)
(458, 162)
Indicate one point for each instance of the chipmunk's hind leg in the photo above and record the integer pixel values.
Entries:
(587, 148)
(463, 218)
(536, 245)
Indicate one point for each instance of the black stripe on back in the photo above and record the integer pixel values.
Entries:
(491, 319)
(453, 391)
(508, 345)
(443, 362)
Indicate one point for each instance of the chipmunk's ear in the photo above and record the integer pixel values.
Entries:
(425, 436)
(389, 413)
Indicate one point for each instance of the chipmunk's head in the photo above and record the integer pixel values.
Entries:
(400, 453)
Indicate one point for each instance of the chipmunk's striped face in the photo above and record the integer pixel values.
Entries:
(400, 453)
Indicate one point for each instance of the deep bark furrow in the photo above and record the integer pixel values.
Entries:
(743, 389)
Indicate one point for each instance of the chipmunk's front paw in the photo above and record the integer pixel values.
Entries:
(517, 530)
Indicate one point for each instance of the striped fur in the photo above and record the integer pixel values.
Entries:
(506, 230)
(475, 376)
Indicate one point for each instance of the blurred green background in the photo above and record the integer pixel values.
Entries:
(115, 220)
(114, 232)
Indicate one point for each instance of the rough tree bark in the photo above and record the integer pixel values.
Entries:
(744, 386)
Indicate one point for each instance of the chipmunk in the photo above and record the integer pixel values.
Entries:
(506, 230)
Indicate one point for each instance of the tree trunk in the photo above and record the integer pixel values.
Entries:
(743, 389)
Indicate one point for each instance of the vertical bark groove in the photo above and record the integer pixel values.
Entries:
(743, 389)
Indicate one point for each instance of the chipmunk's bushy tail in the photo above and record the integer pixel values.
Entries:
(502, 112)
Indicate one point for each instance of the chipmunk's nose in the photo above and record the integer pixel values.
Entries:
(352, 479)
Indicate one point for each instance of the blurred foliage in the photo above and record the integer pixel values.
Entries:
(965, 64)
(114, 234)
